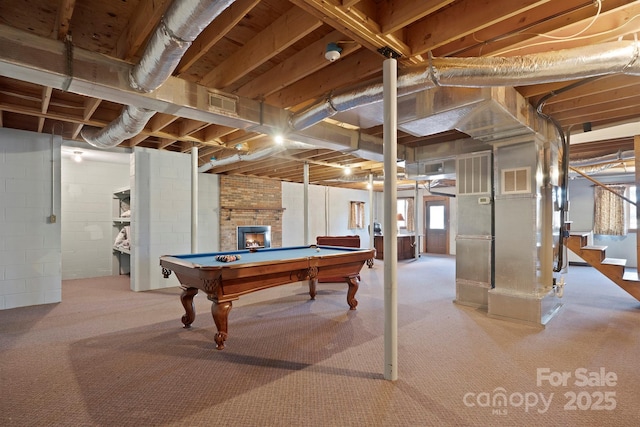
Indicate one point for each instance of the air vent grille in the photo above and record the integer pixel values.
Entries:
(515, 181)
(474, 175)
(223, 103)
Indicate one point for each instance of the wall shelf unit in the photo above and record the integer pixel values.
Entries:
(122, 231)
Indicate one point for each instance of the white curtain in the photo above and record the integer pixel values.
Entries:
(609, 216)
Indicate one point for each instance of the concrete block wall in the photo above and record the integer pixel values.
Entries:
(161, 214)
(30, 245)
(88, 232)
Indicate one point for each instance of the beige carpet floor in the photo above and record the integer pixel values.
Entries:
(107, 356)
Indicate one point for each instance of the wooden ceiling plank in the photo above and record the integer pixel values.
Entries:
(397, 14)
(213, 132)
(357, 26)
(65, 12)
(357, 67)
(75, 130)
(145, 19)
(296, 67)
(610, 25)
(282, 33)
(160, 121)
(224, 23)
(540, 20)
(46, 99)
(623, 95)
(469, 16)
(165, 142)
(137, 139)
(90, 106)
(189, 126)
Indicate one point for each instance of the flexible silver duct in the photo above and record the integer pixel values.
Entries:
(620, 155)
(256, 155)
(179, 27)
(127, 125)
(562, 65)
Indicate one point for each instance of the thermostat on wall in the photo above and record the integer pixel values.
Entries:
(484, 200)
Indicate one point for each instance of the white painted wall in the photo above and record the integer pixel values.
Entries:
(30, 246)
(328, 213)
(208, 212)
(87, 212)
(161, 214)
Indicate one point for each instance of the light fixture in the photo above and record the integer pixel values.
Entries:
(279, 139)
(77, 156)
(347, 171)
(332, 52)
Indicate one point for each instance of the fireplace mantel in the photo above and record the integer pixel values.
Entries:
(255, 208)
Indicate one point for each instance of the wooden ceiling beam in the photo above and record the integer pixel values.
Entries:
(437, 30)
(211, 35)
(354, 24)
(145, 19)
(296, 67)
(610, 25)
(281, 34)
(357, 67)
(63, 18)
(397, 14)
(540, 20)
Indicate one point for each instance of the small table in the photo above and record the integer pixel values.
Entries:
(225, 282)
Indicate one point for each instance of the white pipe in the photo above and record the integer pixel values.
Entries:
(390, 129)
(416, 223)
(194, 200)
(371, 211)
(306, 202)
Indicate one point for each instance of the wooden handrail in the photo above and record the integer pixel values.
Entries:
(599, 184)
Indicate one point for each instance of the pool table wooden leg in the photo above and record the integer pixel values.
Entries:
(220, 312)
(352, 281)
(187, 302)
(312, 288)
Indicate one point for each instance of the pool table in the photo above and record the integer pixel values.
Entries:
(259, 269)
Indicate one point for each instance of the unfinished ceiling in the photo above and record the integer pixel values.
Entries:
(260, 62)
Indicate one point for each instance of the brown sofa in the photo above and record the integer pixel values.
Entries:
(344, 241)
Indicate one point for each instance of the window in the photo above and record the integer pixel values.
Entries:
(356, 215)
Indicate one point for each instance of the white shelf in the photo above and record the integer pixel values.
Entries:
(121, 204)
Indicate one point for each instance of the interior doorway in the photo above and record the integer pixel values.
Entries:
(436, 225)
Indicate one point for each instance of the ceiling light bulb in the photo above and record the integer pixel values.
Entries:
(77, 156)
(279, 139)
(347, 171)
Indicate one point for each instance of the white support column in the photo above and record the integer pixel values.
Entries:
(194, 199)
(371, 211)
(390, 149)
(416, 223)
(306, 203)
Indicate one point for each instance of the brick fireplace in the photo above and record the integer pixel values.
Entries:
(249, 202)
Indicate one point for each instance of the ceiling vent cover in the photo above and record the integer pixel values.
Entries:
(223, 103)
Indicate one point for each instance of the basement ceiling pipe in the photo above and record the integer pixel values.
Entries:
(256, 155)
(563, 65)
(609, 158)
(178, 28)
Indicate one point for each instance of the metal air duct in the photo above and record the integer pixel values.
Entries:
(563, 65)
(179, 27)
